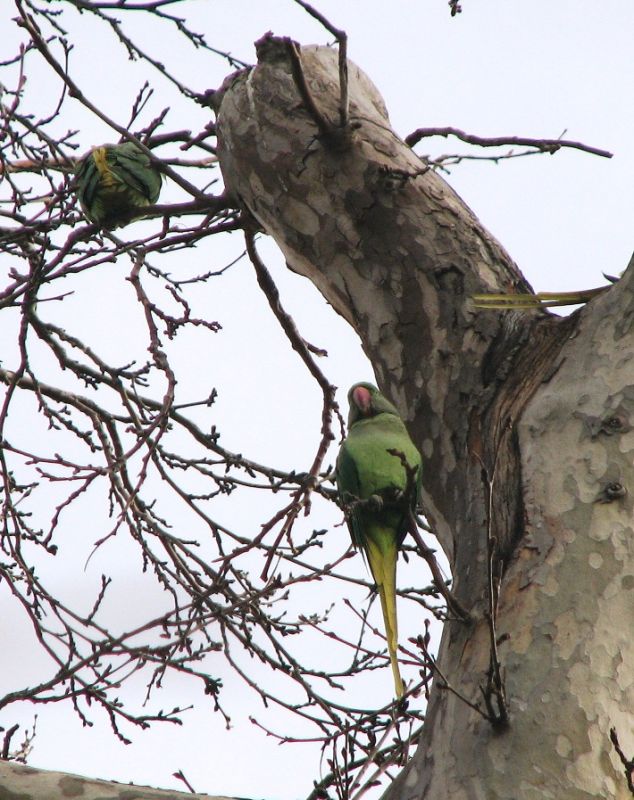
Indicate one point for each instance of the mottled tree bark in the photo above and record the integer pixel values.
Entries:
(18, 782)
(536, 406)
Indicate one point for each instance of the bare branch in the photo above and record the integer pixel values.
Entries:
(342, 40)
(544, 145)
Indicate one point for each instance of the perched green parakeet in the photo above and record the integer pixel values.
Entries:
(113, 181)
(368, 471)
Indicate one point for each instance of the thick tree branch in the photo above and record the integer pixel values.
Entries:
(28, 783)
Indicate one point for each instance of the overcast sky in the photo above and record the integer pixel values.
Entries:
(533, 69)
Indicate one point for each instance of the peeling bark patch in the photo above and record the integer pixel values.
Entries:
(613, 423)
(595, 560)
(567, 636)
(563, 746)
(627, 582)
(306, 220)
(71, 787)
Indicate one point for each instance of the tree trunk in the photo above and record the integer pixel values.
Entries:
(526, 410)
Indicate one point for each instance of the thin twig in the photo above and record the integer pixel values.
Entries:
(371, 759)
(439, 582)
(326, 128)
(432, 664)
(6, 742)
(342, 40)
(495, 683)
(30, 26)
(330, 407)
(546, 145)
(181, 777)
(426, 552)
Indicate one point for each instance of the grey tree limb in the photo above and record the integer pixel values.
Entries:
(19, 782)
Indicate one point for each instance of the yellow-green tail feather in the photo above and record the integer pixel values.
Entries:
(539, 300)
(99, 155)
(382, 552)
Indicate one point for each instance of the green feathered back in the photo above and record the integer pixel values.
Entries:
(366, 468)
(113, 181)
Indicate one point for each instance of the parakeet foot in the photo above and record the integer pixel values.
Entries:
(375, 502)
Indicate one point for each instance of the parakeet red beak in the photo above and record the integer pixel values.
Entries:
(362, 399)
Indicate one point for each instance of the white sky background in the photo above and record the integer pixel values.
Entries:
(530, 69)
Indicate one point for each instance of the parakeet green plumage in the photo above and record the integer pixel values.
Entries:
(368, 471)
(113, 181)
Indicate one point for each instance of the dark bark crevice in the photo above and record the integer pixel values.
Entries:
(519, 360)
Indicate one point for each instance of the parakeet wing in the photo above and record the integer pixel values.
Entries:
(349, 489)
(135, 169)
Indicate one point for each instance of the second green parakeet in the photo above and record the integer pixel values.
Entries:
(113, 181)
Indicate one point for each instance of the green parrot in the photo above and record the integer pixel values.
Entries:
(368, 471)
(114, 180)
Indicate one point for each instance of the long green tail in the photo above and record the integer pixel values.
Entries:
(540, 300)
(382, 552)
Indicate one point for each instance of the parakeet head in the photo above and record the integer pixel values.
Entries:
(367, 401)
